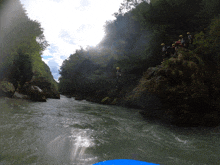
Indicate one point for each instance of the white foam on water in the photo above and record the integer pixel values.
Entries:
(80, 141)
(79, 144)
(180, 140)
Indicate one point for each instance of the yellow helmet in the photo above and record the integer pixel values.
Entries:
(188, 32)
(117, 68)
(162, 44)
(173, 44)
(181, 36)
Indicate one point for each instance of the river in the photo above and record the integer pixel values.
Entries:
(70, 132)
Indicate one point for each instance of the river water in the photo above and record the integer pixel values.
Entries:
(70, 132)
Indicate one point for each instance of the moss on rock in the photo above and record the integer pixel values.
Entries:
(6, 89)
(185, 84)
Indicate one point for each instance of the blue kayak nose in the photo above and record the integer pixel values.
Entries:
(124, 162)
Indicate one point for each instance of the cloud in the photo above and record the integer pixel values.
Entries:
(65, 36)
(84, 3)
(54, 67)
(46, 57)
(63, 57)
(52, 48)
(69, 24)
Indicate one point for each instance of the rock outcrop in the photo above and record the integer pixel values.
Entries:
(187, 89)
(6, 89)
(36, 94)
(33, 93)
(20, 96)
(48, 89)
(39, 90)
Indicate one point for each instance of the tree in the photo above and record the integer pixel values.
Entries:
(21, 43)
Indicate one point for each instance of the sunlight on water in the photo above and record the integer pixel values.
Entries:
(78, 142)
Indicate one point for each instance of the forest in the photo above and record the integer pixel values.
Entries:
(21, 43)
(127, 67)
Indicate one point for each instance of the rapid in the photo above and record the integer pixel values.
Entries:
(70, 132)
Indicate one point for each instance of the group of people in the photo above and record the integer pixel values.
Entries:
(169, 51)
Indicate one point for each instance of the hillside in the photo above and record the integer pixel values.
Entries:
(117, 70)
(22, 43)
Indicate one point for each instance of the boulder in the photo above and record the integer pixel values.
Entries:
(6, 89)
(36, 94)
(44, 84)
(51, 93)
(141, 98)
(20, 96)
(79, 97)
(68, 96)
(36, 88)
(55, 95)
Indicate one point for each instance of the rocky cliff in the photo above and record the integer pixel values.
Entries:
(187, 88)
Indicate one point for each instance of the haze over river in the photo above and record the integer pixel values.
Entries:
(70, 132)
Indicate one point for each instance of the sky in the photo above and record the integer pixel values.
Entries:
(69, 24)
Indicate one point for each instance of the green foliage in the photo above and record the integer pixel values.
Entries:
(132, 42)
(22, 43)
(6, 86)
(207, 44)
(21, 71)
(153, 1)
(183, 83)
(78, 73)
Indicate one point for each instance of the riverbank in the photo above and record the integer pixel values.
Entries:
(30, 91)
(182, 91)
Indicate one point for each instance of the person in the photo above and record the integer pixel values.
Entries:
(118, 74)
(173, 50)
(164, 48)
(178, 44)
(167, 51)
(189, 38)
(183, 42)
(170, 51)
